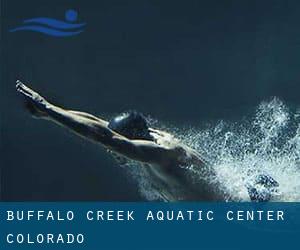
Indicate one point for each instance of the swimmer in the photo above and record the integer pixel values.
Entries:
(129, 136)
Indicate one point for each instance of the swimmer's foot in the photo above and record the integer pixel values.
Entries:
(34, 103)
(263, 188)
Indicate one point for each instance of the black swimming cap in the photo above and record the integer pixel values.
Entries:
(132, 125)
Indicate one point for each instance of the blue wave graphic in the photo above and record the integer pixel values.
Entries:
(53, 23)
(47, 31)
(55, 27)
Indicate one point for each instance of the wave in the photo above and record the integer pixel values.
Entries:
(47, 31)
(53, 23)
(53, 27)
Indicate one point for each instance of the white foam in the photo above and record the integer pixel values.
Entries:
(268, 142)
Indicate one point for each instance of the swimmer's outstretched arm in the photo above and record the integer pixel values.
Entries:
(95, 129)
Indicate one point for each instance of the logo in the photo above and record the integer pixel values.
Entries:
(53, 27)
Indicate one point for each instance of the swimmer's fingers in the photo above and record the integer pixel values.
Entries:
(23, 89)
(28, 93)
(154, 135)
(161, 133)
(37, 102)
(154, 130)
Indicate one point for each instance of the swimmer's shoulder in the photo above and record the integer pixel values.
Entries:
(185, 155)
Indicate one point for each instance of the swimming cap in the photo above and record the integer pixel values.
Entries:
(132, 125)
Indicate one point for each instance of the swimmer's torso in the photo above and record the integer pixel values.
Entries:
(180, 183)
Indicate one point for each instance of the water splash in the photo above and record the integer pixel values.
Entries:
(267, 142)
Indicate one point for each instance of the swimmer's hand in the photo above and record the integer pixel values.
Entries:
(35, 103)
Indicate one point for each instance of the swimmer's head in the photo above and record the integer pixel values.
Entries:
(132, 125)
